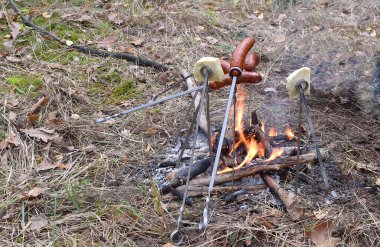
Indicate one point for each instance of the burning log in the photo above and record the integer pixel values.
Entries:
(180, 178)
(260, 166)
(289, 199)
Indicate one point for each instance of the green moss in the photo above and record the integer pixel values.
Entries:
(25, 84)
(125, 91)
(60, 28)
(110, 77)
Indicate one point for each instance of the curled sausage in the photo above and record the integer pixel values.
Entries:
(225, 66)
(238, 56)
(246, 77)
(251, 61)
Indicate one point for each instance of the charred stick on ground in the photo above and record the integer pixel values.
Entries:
(202, 190)
(260, 166)
(196, 169)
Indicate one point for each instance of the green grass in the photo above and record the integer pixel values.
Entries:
(25, 84)
(112, 88)
(72, 194)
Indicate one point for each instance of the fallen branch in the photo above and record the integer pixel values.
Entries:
(180, 178)
(289, 199)
(260, 166)
(194, 191)
(86, 49)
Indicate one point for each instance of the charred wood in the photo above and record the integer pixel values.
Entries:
(180, 195)
(194, 191)
(180, 178)
(260, 166)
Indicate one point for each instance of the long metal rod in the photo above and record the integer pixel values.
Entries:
(298, 146)
(204, 220)
(176, 236)
(140, 107)
(316, 144)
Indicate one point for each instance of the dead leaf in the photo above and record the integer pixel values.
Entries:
(111, 16)
(44, 134)
(12, 59)
(36, 191)
(84, 18)
(212, 40)
(33, 193)
(162, 78)
(292, 204)
(52, 118)
(15, 28)
(129, 50)
(106, 42)
(46, 165)
(378, 181)
(13, 138)
(12, 116)
(151, 131)
(137, 41)
(12, 103)
(321, 234)
(63, 166)
(37, 223)
(32, 118)
(278, 38)
(22, 50)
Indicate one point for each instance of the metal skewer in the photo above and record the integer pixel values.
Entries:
(176, 237)
(204, 220)
(140, 107)
(301, 85)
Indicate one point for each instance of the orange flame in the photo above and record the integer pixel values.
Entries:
(289, 133)
(263, 127)
(272, 132)
(252, 148)
(275, 153)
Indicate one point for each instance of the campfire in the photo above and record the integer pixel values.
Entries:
(251, 149)
(249, 143)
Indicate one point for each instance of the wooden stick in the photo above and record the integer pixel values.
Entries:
(202, 190)
(289, 199)
(196, 169)
(86, 49)
(260, 166)
(191, 84)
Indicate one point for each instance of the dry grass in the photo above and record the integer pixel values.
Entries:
(97, 197)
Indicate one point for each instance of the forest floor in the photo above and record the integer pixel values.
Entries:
(66, 181)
